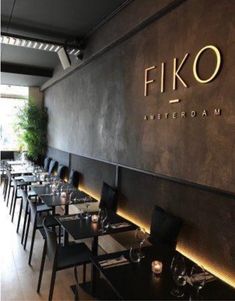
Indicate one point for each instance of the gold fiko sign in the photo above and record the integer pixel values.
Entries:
(176, 77)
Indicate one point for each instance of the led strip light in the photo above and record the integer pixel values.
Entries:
(39, 45)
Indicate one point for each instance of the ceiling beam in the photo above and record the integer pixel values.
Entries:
(25, 69)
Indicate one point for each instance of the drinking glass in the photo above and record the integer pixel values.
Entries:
(141, 235)
(136, 253)
(178, 269)
(198, 279)
(87, 204)
(103, 219)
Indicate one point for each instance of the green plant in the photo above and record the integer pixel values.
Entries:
(32, 130)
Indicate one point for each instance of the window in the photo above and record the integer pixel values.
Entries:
(13, 98)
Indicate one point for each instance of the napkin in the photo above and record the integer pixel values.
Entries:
(199, 277)
(69, 218)
(113, 262)
(119, 225)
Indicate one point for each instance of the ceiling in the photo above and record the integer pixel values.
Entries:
(57, 21)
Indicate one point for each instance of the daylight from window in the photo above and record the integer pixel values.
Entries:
(13, 98)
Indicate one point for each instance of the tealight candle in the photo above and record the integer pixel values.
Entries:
(94, 218)
(156, 267)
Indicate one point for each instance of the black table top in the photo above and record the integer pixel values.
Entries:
(79, 227)
(30, 179)
(21, 172)
(135, 281)
(52, 200)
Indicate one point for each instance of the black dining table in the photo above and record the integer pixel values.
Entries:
(21, 172)
(28, 179)
(80, 228)
(136, 281)
(53, 200)
(16, 162)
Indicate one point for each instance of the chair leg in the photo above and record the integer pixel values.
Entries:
(5, 189)
(84, 273)
(32, 244)
(27, 231)
(53, 276)
(19, 217)
(13, 209)
(12, 201)
(24, 224)
(42, 267)
(6, 193)
(60, 235)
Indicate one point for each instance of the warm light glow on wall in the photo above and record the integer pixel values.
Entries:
(212, 267)
(89, 192)
(133, 219)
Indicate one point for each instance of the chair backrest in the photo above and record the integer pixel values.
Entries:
(8, 175)
(14, 185)
(165, 227)
(74, 178)
(51, 241)
(61, 171)
(108, 198)
(33, 210)
(52, 167)
(24, 198)
(46, 163)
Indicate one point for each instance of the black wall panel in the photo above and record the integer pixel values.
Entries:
(93, 173)
(58, 155)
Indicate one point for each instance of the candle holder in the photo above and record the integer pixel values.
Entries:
(157, 267)
(94, 218)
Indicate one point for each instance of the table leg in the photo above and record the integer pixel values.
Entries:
(66, 236)
(93, 268)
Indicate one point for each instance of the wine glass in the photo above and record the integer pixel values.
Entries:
(198, 279)
(103, 219)
(136, 253)
(87, 204)
(178, 269)
(141, 235)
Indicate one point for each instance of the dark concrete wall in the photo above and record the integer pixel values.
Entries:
(98, 111)
(104, 101)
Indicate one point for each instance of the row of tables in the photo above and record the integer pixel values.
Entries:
(130, 281)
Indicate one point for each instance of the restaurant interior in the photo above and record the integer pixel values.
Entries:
(117, 144)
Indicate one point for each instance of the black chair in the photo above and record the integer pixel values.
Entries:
(47, 161)
(5, 184)
(74, 178)
(16, 194)
(62, 171)
(23, 206)
(108, 198)
(62, 257)
(3, 168)
(7, 187)
(165, 227)
(36, 214)
(52, 167)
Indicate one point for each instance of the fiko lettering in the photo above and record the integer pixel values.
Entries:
(177, 67)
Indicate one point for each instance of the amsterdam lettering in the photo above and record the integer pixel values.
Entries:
(183, 114)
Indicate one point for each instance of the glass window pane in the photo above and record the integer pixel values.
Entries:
(12, 100)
